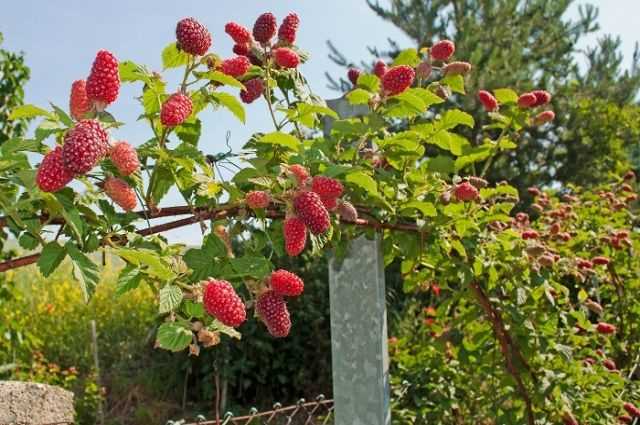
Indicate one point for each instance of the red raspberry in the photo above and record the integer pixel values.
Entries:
(631, 409)
(121, 193)
(442, 50)
(52, 174)
(353, 75)
(286, 58)
(347, 211)
(544, 117)
(527, 100)
(289, 28)
(489, 102)
(272, 309)
(79, 103)
(242, 49)
(629, 175)
(327, 187)
(423, 70)
(625, 419)
(84, 145)
(456, 68)
(125, 158)
(103, 83)
(626, 188)
(465, 191)
(530, 234)
(397, 79)
(257, 199)
(584, 264)
(193, 37)
(285, 283)
(542, 97)
(554, 229)
(609, 364)
(235, 67)
(253, 90)
(222, 302)
(265, 28)
(300, 173)
(175, 110)
(238, 33)
(380, 68)
(600, 261)
(310, 210)
(605, 328)
(295, 236)
(329, 203)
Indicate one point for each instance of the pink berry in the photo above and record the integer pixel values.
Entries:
(265, 28)
(285, 283)
(125, 158)
(175, 110)
(397, 79)
(295, 236)
(121, 193)
(52, 174)
(288, 29)
(442, 50)
(84, 145)
(103, 83)
(193, 37)
(222, 302)
(252, 91)
(235, 67)
(272, 309)
(238, 33)
(489, 102)
(79, 103)
(286, 58)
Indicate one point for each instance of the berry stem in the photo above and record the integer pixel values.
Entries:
(267, 94)
(495, 150)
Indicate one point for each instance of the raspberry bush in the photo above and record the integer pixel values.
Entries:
(518, 314)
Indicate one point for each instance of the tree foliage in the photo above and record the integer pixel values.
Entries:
(13, 76)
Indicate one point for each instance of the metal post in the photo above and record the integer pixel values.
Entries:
(360, 359)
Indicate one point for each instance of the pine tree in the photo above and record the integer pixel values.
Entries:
(14, 74)
(531, 44)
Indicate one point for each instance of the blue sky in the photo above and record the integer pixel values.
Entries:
(60, 39)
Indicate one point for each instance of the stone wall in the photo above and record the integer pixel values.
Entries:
(23, 403)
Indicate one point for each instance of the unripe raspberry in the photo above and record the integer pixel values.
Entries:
(347, 211)
(84, 145)
(353, 75)
(286, 58)
(238, 33)
(52, 174)
(478, 182)
(600, 261)
(605, 328)
(584, 264)
(193, 37)
(397, 79)
(79, 104)
(327, 187)
(542, 97)
(380, 68)
(569, 419)
(554, 229)
(121, 193)
(530, 234)
(222, 302)
(265, 28)
(252, 91)
(609, 364)
(544, 117)
(272, 309)
(235, 67)
(311, 212)
(631, 409)
(300, 173)
(489, 102)
(625, 419)
(242, 50)
(423, 70)
(594, 306)
(629, 175)
(546, 260)
(442, 50)
(295, 236)
(285, 283)
(125, 158)
(465, 191)
(103, 83)
(456, 68)
(288, 29)
(175, 110)
(258, 199)
(442, 91)
(527, 100)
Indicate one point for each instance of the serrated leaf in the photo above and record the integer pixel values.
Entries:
(128, 279)
(250, 266)
(454, 118)
(130, 71)
(505, 96)
(407, 57)
(70, 213)
(369, 82)
(50, 258)
(174, 336)
(221, 78)
(441, 164)
(28, 111)
(426, 208)
(231, 103)
(281, 139)
(358, 97)
(172, 57)
(86, 270)
(363, 181)
(227, 330)
(149, 260)
(170, 298)
(455, 83)
(427, 96)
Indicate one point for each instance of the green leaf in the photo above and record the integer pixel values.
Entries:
(20, 145)
(505, 96)
(358, 97)
(70, 213)
(227, 330)
(214, 246)
(174, 336)
(369, 82)
(477, 154)
(86, 270)
(426, 208)
(172, 57)
(130, 71)
(455, 83)
(412, 100)
(249, 266)
(364, 181)
(193, 309)
(189, 132)
(441, 164)
(50, 258)
(128, 279)
(407, 57)
(455, 117)
(28, 111)
(170, 298)
(202, 264)
(161, 182)
(231, 103)
(62, 116)
(281, 139)
(427, 96)
(151, 260)
(221, 78)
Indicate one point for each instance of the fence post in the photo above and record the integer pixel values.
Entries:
(360, 360)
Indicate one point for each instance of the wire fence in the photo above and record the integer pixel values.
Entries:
(317, 412)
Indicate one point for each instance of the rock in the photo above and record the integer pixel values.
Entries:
(23, 403)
